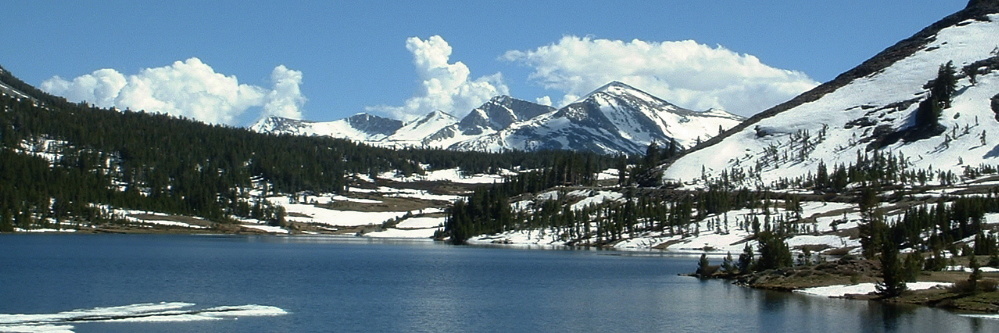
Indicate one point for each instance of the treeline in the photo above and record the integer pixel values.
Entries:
(883, 168)
(487, 210)
(64, 159)
(881, 176)
(935, 229)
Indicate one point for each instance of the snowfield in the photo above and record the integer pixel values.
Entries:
(308, 213)
(451, 175)
(875, 98)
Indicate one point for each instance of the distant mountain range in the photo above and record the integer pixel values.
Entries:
(613, 119)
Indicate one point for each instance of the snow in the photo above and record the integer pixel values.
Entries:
(42, 230)
(143, 312)
(334, 217)
(453, 175)
(402, 233)
(421, 128)
(609, 174)
(864, 288)
(716, 235)
(174, 224)
(407, 193)
(960, 268)
(981, 315)
(266, 228)
(421, 222)
(413, 227)
(899, 82)
(48, 149)
(597, 198)
(636, 119)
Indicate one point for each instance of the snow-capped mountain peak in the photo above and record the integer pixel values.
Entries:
(499, 113)
(616, 118)
(359, 127)
(423, 127)
(620, 89)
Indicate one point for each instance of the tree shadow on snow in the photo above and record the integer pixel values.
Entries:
(993, 153)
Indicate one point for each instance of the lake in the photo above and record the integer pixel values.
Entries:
(197, 283)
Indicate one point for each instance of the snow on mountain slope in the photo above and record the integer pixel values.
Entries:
(499, 113)
(417, 131)
(851, 115)
(359, 127)
(613, 119)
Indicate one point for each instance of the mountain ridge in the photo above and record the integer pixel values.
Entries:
(863, 108)
(974, 9)
(613, 119)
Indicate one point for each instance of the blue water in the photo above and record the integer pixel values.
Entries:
(349, 285)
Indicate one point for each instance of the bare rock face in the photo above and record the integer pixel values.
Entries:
(984, 4)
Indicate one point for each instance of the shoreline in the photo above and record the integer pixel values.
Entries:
(849, 278)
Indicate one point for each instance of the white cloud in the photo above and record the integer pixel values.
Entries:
(286, 99)
(544, 100)
(444, 86)
(100, 87)
(187, 88)
(686, 73)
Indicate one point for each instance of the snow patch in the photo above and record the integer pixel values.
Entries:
(864, 288)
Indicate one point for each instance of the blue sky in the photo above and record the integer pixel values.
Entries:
(325, 60)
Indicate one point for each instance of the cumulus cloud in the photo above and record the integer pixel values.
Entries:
(444, 86)
(187, 88)
(686, 73)
(286, 99)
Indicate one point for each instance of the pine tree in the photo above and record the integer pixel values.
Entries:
(893, 279)
(703, 267)
(912, 266)
(728, 266)
(774, 252)
(945, 85)
(746, 260)
(975, 276)
(942, 91)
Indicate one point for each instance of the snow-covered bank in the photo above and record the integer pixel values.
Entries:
(864, 288)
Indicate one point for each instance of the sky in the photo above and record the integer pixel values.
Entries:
(234, 62)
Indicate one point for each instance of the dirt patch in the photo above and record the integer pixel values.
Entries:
(844, 271)
(386, 204)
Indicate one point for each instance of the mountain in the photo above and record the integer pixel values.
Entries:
(499, 113)
(613, 119)
(875, 108)
(422, 132)
(359, 127)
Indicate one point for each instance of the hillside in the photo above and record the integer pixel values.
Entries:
(68, 166)
(873, 108)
